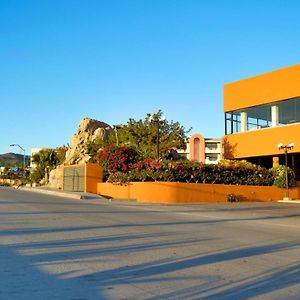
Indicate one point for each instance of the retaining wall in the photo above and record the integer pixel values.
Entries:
(175, 192)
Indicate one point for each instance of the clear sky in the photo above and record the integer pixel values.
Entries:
(62, 60)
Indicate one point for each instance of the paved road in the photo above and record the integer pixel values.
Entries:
(59, 248)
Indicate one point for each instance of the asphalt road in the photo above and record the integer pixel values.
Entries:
(59, 248)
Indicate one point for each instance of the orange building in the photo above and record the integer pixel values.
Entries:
(262, 112)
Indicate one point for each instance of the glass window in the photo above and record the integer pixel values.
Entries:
(261, 116)
(212, 146)
(289, 111)
(228, 125)
(212, 157)
(233, 122)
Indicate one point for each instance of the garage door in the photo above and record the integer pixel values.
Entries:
(74, 179)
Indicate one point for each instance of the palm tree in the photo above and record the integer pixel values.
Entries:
(45, 161)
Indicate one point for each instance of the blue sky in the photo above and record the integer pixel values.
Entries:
(62, 60)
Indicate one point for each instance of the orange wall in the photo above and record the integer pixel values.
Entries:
(261, 142)
(173, 192)
(93, 175)
(262, 89)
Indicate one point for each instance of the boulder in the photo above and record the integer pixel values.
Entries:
(56, 178)
(88, 130)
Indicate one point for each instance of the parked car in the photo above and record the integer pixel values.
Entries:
(15, 171)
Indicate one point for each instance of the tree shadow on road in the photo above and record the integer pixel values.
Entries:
(20, 279)
(272, 280)
(169, 269)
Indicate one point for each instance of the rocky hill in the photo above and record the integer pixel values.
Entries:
(13, 159)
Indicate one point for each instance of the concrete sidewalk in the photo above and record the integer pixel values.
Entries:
(61, 193)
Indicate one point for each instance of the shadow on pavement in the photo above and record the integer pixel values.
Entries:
(21, 279)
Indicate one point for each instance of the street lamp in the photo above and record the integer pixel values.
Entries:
(286, 148)
(17, 145)
(116, 127)
(157, 120)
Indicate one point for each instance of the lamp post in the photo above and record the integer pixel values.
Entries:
(286, 148)
(157, 120)
(17, 145)
(116, 127)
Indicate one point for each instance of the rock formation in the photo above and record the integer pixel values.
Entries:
(88, 130)
(56, 178)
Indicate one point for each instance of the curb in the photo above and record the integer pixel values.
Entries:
(289, 201)
(54, 193)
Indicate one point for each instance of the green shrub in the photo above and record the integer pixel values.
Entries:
(232, 197)
(279, 173)
(37, 175)
(46, 160)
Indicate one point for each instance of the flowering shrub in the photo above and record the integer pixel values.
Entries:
(117, 159)
(123, 165)
(148, 170)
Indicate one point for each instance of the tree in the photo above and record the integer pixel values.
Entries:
(45, 160)
(151, 137)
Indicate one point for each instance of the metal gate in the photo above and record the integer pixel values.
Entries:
(74, 178)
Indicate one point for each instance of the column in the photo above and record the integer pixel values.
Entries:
(244, 121)
(275, 115)
(275, 161)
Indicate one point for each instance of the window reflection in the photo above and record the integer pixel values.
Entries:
(289, 111)
(261, 116)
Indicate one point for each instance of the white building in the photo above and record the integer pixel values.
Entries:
(213, 150)
(205, 150)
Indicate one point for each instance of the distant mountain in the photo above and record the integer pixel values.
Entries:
(13, 159)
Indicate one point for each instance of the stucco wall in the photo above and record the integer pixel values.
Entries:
(261, 142)
(262, 89)
(94, 174)
(172, 192)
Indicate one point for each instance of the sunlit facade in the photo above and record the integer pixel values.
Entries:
(260, 113)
